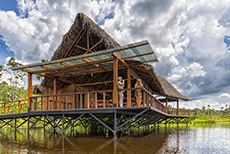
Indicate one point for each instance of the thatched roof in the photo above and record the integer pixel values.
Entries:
(81, 25)
(38, 89)
(169, 90)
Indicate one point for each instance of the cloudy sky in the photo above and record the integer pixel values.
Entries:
(191, 38)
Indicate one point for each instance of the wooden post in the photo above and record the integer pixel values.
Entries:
(20, 107)
(177, 110)
(4, 108)
(115, 80)
(95, 100)
(166, 105)
(55, 93)
(138, 98)
(129, 86)
(29, 88)
(103, 99)
(88, 101)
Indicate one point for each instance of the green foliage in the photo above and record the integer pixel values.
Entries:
(12, 91)
(211, 116)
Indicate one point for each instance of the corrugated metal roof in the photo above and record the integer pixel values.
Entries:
(140, 52)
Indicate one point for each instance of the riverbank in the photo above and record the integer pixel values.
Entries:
(211, 118)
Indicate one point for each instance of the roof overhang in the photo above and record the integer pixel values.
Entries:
(96, 62)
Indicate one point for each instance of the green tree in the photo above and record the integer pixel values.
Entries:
(13, 90)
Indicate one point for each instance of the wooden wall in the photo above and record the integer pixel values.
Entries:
(59, 102)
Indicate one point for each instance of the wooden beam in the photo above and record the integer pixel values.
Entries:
(115, 81)
(70, 48)
(129, 86)
(95, 45)
(48, 68)
(50, 76)
(78, 69)
(102, 82)
(120, 59)
(177, 108)
(87, 39)
(30, 75)
(86, 56)
(88, 61)
(80, 47)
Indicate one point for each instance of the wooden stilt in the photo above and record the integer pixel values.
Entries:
(29, 88)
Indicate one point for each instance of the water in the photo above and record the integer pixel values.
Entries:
(194, 139)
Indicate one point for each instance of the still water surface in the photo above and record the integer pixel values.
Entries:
(194, 139)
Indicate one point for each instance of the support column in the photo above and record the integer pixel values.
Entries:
(129, 86)
(177, 111)
(29, 88)
(115, 80)
(166, 105)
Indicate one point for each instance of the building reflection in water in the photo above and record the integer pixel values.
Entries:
(148, 140)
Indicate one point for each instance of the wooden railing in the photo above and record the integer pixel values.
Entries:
(87, 100)
(94, 99)
(79, 100)
(13, 107)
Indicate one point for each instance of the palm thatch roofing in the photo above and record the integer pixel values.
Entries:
(86, 34)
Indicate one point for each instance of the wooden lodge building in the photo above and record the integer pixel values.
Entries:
(83, 73)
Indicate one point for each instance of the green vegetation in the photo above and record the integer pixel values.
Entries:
(212, 116)
(13, 89)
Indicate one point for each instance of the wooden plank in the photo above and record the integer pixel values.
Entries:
(20, 107)
(115, 81)
(103, 99)
(87, 39)
(80, 47)
(95, 83)
(48, 68)
(49, 76)
(120, 59)
(29, 88)
(88, 101)
(95, 100)
(95, 45)
(129, 86)
(86, 56)
(81, 101)
(138, 98)
(55, 86)
(70, 48)
(78, 69)
(88, 61)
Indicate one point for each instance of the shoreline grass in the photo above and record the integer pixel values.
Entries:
(211, 118)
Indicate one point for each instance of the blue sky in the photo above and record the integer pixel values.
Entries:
(191, 39)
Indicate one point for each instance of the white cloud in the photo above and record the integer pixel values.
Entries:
(225, 95)
(200, 103)
(38, 30)
(187, 35)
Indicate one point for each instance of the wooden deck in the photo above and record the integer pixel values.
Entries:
(63, 111)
